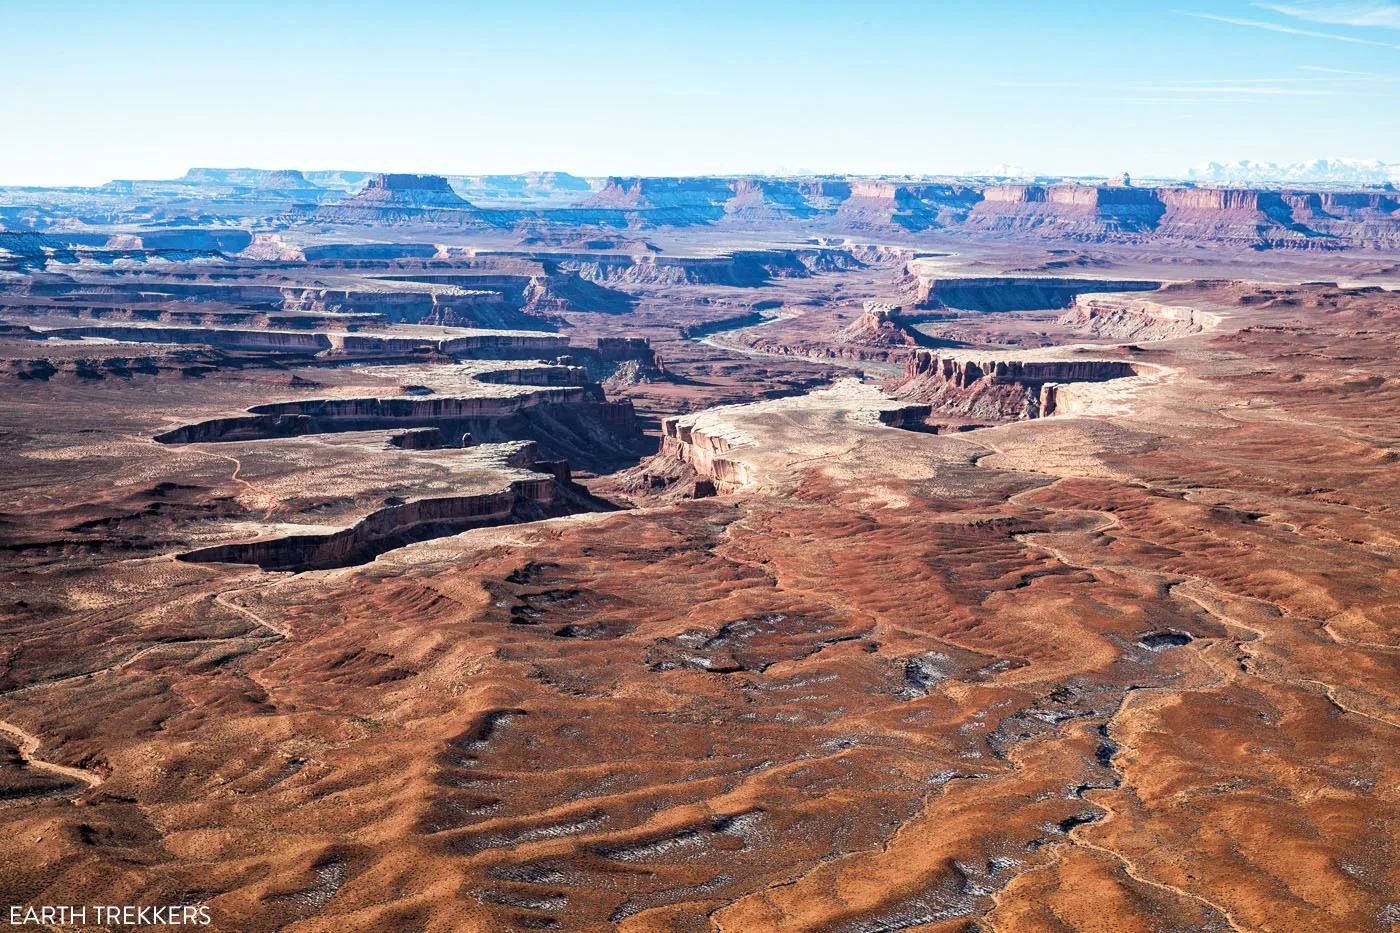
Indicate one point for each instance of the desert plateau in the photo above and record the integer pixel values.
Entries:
(813, 551)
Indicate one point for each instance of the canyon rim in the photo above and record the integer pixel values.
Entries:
(511, 506)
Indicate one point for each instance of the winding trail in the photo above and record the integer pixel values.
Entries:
(237, 468)
(1130, 870)
(253, 491)
(250, 614)
(279, 633)
(28, 744)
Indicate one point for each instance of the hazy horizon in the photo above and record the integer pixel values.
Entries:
(1012, 173)
(150, 89)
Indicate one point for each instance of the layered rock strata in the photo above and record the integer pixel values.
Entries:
(703, 448)
(532, 498)
(484, 344)
(1007, 293)
(1124, 318)
(999, 389)
(452, 414)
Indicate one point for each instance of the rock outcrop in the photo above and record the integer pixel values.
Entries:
(876, 205)
(1007, 293)
(628, 361)
(763, 202)
(997, 388)
(963, 373)
(287, 179)
(703, 450)
(881, 326)
(1120, 317)
(409, 191)
(574, 422)
(530, 499)
(1070, 210)
(393, 198)
(288, 183)
(418, 439)
(1244, 216)
(665, 200)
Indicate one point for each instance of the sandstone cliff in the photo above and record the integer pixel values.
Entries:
(1006, 293)
(881, 325)
(391, 199)
(742, 268)
(703, 448)
(550, 493)
(1122, 318)
(997, 388)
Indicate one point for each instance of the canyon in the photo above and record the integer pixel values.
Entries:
(540, 207)
(399, 552)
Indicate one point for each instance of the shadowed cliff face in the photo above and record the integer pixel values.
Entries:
(524, 500)
(570, 423)
(999, 389)
(1011, 294)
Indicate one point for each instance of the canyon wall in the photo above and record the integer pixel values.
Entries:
(742, 268)
(447, 306)
(1120, 317)
(539, 211)
(1067, 209)
(395, 526)
(259, 340)
(573, 422)
(200, 239)
(929, 365)
(999, 389)
(476, 346)
(319, 416)
(685, 443)
(1008, 293)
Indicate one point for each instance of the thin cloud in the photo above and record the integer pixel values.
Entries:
(1362, 15)
(1253, 80)
(1355, 77)
(1266, 90)
(1288, 30)
(1188, 101)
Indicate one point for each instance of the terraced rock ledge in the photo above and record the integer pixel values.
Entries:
(548, 491)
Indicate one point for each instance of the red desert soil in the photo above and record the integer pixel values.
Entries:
(1131, 667)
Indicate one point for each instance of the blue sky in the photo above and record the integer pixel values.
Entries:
(146, 89)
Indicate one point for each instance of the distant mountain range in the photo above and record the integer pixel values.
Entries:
(1317, 172)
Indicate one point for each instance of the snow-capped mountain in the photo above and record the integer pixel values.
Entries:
(1319, 171)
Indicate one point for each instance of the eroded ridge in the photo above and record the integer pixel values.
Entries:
(523, 500)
